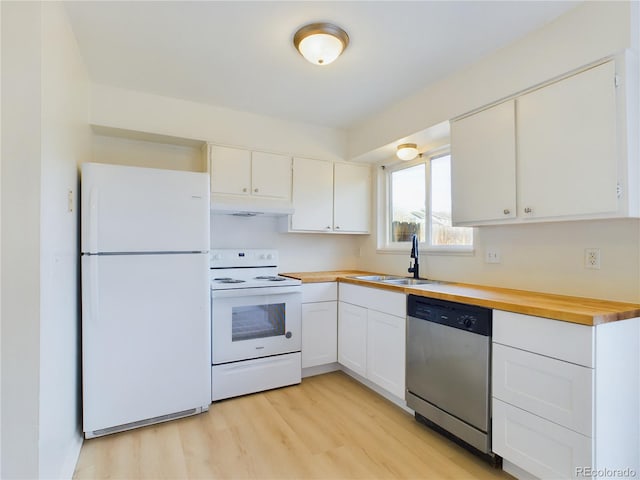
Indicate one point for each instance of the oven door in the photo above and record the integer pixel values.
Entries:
(255, 322)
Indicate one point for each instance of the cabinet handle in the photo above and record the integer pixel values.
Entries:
(328, 227)
(506, 211)
(528, 210)
(244, 190)
(255, 190)
(337, 227)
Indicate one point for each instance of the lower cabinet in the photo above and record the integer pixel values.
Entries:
(537, 445)
(371, 335)
(352, 337)
(565, 396)
(319, 324)
(386, 351)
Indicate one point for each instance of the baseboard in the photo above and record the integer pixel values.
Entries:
(71, 459)
(380, 391)
(320, 369)
(516, 471)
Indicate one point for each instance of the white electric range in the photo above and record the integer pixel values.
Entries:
(255, 323)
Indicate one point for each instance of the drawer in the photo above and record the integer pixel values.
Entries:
(554, 338)
(555, 390)
(540, 447)
(319, 292)
(393, 303)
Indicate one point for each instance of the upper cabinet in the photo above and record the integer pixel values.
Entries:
(555, 153)
(483, 169)
(351, 197)
(312, 195)
(242, 173)
(332, 198)
(567, 159)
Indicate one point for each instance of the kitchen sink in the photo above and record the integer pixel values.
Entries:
(411, 281)
(378, 278)
(396, 280)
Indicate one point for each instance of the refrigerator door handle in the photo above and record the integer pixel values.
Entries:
(91, 287)
(93, 220)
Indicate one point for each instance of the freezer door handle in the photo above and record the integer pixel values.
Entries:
(93, 221)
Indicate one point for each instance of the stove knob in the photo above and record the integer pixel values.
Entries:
(217, 256)
(262, 256)
(269, 256)
(467, 322)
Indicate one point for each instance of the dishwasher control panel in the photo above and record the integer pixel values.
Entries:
(471, 318)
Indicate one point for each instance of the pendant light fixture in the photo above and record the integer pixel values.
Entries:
(321, 43)
(407, 151)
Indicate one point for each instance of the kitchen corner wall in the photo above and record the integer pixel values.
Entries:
(45, 135)
(547, 257)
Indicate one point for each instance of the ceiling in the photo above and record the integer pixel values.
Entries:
(239, 54)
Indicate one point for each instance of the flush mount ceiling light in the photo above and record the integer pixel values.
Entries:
(321, 43)
(407, 151)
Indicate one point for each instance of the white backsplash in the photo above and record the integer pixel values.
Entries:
(298, 251)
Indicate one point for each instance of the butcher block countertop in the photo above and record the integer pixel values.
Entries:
(585, 311)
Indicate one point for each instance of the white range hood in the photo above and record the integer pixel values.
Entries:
(249, 210)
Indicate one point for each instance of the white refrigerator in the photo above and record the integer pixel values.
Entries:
(146, 329)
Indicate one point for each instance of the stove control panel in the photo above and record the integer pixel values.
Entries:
(238, 258)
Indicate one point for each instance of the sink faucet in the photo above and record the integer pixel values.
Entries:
(415, 269)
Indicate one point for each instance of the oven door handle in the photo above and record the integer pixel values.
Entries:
(255, 292)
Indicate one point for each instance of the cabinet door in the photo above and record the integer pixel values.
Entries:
(319, 333)
(312, 195)
(567, 158)
(552, 389)
(271, 175)
(352, 198)
(483, 166)
(540, 447)
(386, 351)
(230, 170)
(352, 337)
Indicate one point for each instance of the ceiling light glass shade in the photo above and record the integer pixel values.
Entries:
(407, 151)
(321, 43)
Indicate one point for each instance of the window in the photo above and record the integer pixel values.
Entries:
(420, 203)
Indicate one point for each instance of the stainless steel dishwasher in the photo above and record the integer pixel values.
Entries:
(448, 368)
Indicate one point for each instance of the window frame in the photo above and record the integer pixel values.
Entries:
(385, 245)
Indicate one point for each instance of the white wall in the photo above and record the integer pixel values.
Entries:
(145, 153)
(21, 99)
(45, 133)
(299, 252)
(65, 144)
(540, 257)
(0, 239)
(125, 109)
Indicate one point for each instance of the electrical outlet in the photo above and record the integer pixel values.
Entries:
(70, 200)
(592, 258)
(492, 255)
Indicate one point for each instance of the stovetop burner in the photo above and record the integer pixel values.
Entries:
(231, 280)
(271, 278)
(220, 279)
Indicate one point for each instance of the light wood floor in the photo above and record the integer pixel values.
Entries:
(328, 427)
